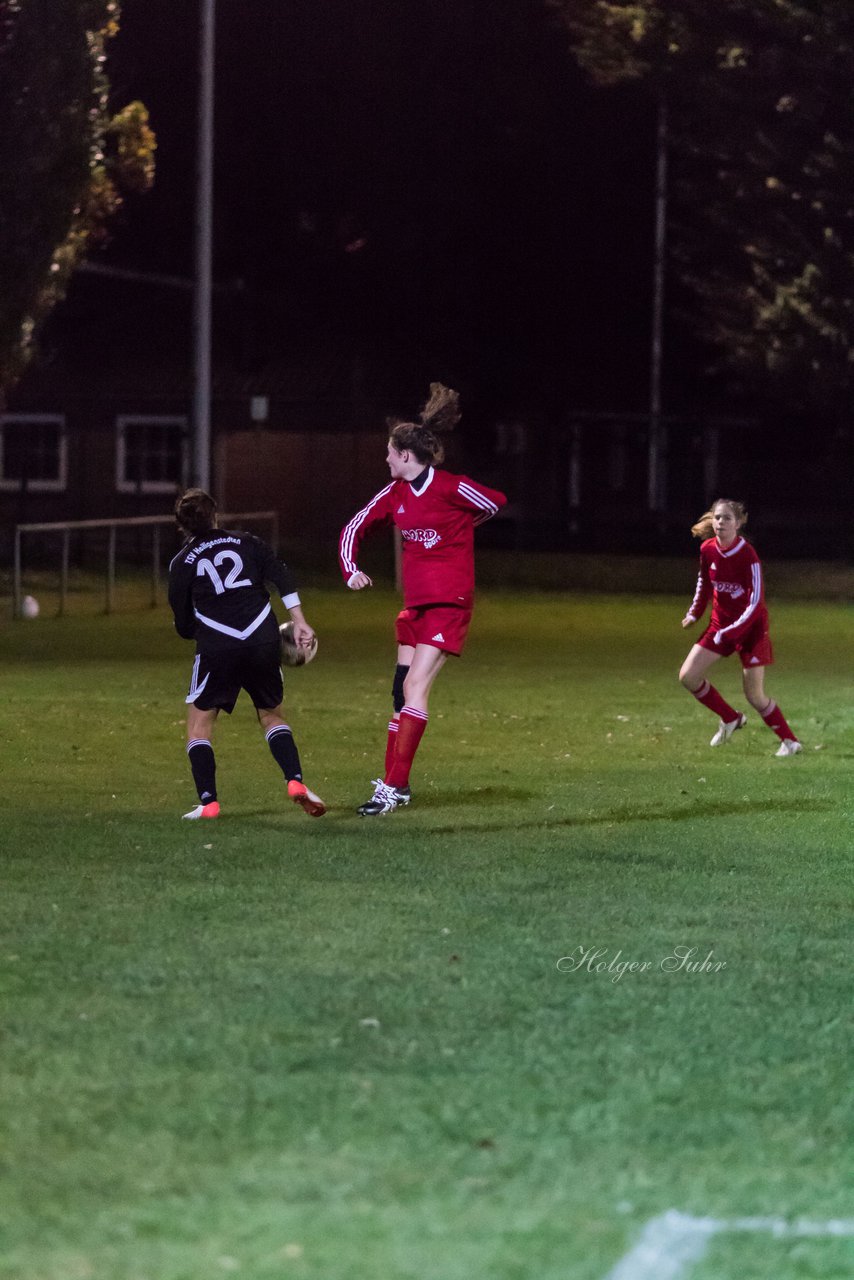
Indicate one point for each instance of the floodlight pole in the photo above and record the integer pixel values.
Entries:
(202, 289)
(657, 455)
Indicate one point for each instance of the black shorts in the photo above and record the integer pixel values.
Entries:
(218, 678)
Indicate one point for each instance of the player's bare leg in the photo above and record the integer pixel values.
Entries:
(692, 673)
(280, 740)
(693, 676)
(425, 664)
(753, 679)
(754, 689)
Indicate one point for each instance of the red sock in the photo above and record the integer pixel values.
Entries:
(409, 734)
(709, 696)
(774, 718)
(390, 745)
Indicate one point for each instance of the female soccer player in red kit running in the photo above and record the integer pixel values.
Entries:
(731, 574)
(436, 513)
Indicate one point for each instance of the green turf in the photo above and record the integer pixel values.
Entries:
(343, 1049)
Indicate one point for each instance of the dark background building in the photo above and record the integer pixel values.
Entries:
(402, 193)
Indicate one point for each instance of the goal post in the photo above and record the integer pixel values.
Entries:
(64, 529)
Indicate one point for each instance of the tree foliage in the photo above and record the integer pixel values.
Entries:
(64, 160)
(761, 103)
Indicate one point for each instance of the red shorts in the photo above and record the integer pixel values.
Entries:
(754, 647)
(445, 626)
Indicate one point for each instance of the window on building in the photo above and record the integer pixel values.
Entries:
(33, 452)
(151, 454)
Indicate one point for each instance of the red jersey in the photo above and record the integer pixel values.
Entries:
(733, 578)
(437, 525)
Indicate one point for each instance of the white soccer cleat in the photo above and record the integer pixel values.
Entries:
(725, 731)
(384, 800)
(789, 747)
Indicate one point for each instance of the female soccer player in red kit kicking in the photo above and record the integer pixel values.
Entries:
(731, 574)
(436, 513)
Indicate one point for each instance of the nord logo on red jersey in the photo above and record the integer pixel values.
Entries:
(428, 536)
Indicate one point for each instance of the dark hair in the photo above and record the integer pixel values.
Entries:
(195, 511)
(441, 413)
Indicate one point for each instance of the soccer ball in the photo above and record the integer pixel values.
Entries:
(293, 655)
(29, 607)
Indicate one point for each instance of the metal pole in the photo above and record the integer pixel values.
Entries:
(111, 567)
(711, 443)
(574, 471)
(204, 252)
(657, 488)
(63, 572)
(16, 600)
(155, 565)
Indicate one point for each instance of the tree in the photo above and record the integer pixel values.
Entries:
(761, 108)
(64, 160)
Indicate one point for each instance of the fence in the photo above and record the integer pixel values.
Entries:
(155, 523)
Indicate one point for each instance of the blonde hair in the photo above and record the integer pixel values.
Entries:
(441, 413)
(704, 528)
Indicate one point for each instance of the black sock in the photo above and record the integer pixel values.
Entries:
(203, 765)
(281, 742)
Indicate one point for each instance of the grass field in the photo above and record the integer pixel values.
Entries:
(345, 1049)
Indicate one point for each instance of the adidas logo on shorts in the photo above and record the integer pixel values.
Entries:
(438, 636)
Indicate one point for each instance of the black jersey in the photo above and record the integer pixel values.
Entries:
(217, 591)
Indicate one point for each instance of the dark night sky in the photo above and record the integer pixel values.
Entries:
(505, 206)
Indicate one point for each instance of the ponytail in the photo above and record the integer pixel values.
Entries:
(439, 415)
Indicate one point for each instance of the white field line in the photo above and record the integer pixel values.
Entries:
(671, 1242)
(667, 1244)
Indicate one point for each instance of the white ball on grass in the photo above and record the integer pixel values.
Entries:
(29, 607)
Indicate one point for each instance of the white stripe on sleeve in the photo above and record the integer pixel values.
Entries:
(477, 499)
(352, 528)
(692, 612)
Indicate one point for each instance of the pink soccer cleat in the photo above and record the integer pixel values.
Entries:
(210, 810)
(300, 794)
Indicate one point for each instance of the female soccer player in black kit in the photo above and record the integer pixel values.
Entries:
(218, 597)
